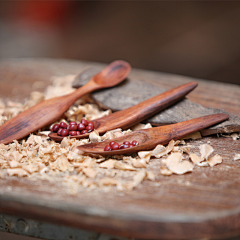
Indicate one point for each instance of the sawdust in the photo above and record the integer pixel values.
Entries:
(38, 157)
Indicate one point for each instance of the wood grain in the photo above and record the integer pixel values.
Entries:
(202, 204)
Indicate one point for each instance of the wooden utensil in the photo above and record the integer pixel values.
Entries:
(135, 114)
(50, 110)
(150, 138)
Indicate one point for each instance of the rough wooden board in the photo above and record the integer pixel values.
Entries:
(131, 92)
(204, 204)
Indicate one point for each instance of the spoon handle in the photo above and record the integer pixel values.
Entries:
(175, 131)
(135, 114)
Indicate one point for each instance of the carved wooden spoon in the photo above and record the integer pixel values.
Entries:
(135, 114)
(50, 110)
(150, 138)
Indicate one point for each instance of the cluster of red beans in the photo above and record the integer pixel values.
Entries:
(115, 146)
(73, 129)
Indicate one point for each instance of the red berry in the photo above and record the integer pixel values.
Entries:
(135, 143)
(84, 131)
(81, 126)
(84, 122)
(63, 125)
(59, 131)
(115, 146)
(55, 127)
(72, 127)
(64, 132)
(107, 148)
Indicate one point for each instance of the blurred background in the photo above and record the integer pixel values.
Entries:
(194, 38)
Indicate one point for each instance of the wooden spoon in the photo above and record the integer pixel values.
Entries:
(150, 138)
(135, 114)
(50, 110)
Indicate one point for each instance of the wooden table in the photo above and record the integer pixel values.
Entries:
(203, 204)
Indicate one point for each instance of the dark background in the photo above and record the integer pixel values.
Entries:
(194, 38)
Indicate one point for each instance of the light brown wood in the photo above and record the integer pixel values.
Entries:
(201, 205)
(135, 114)
(48, 111)
(150, 138)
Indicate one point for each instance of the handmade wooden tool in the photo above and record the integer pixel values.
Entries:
(135, 114)
(151, 137)
(50, 110)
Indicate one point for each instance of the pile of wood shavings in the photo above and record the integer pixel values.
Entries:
(38, 157)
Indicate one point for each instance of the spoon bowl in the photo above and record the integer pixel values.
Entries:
(150, 138)
(137, 113)
(48, 111)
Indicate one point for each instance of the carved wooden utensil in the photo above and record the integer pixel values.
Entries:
(135, 114)
(50, 110)
(150, 138)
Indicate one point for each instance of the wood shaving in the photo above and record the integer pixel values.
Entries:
(236, 157)
(38, 157)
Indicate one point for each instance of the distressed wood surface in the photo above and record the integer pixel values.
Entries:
(202, 204)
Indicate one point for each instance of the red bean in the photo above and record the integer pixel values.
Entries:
(63, 125)
(115, 146)
(64, 132)
(107, 148)
(72, 127)
(84, 131)
(121, 146)
(126, 143)
(59, 131)
(81, 126)
(74, 123)
(135, 143)
(73, 133)
(90, 123)
(89, 128)
(111, 143)
(78, 133)
(55, 127)
(84, 122)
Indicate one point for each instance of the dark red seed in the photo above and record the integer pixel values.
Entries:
(90, 123)
(59, 131)
(84, 131)
(55, 127)
(131, 146)
(73, 133)
(126, 143)
(135, 143)
(84, 122)
(64, 132)
(78, 133)
(115, 146)
(89, 128)
(72, 127)
(63, 125)
(121, 146)
(111, 143)
(74, 123)
(125, 146)
(81, 126)
(107, 148)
